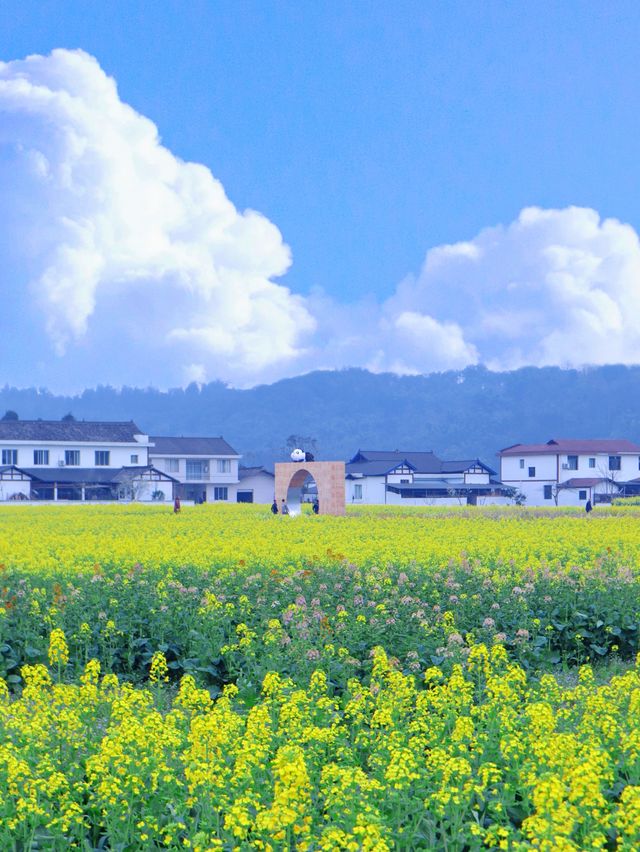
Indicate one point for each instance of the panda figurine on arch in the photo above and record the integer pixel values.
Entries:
(299, 455)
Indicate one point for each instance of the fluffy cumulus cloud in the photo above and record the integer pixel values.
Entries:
(110, 229)
(555, 287)
(122, 263)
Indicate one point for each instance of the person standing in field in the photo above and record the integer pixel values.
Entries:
(285, 509)
(274, 506)
(316, 506)
(176, 505)
(588, 507)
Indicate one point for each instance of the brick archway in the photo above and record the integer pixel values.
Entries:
(328, 476)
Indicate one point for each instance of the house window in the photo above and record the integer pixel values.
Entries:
(173, 465)
(197, 470)
(102, 458)
(9, 457)
(614, 462)
(72, 457)
(532, 472)
(224, 465)
(582, 495)
(405, 481)
(522, 464)
(572, 462)
(592, 462)
(357, 491)
(221, 492)
(134, 459)
(41, 456)
(548, 494)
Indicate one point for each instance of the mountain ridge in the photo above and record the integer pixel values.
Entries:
(458, 414)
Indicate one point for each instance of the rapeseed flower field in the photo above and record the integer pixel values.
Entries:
(396, 679)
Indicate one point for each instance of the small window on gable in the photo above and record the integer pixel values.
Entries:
(592, 462)
(522, 464)
(134, 459)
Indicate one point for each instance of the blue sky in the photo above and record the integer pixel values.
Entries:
(369, 134)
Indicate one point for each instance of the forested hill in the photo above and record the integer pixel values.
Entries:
(465, 414)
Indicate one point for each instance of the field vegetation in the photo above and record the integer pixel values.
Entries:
(396, 679)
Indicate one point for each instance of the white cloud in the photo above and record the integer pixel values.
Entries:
(134, 266)
(109, 218)
(555, 287)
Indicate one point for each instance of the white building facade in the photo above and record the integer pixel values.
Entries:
(568, 472)
(256, 485)
(77, 460)
(206, 469)
(420, 479)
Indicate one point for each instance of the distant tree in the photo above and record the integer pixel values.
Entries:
(10, 415)
(68, 418)
(304, 443)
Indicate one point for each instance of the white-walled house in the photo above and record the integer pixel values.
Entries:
(568, 472)
(420, 478)
(256, 485)
(77, 460)
(205, 468)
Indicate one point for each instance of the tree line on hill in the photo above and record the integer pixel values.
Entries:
(457, 414)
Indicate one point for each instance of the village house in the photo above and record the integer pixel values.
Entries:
(568, 472)
(77, 460)
(419, 479)
(206, 469)
(256, 485)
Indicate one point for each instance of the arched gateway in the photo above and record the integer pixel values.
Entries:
(328, 476)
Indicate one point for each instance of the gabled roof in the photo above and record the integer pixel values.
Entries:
(246, 472)
(574, 446)
(166, 446)
(9, 467)
(73, 431)
(378, 467)
(584, 482)
(130, 472)
(421, 462)
(463, 466)
(381, 462)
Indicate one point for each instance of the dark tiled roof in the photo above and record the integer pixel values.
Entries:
(90, 475)
(462, 466)
(75, 475)
(379, 462)
(130, 472)
(374, 468)
(423, 462)
(577, 446)
(583, 482)
(74, 431)
(191, 447)
(246, 472)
